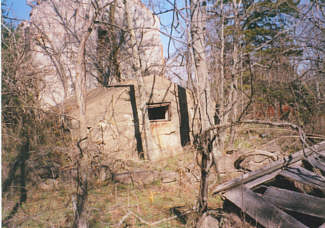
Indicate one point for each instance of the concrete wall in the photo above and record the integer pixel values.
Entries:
(110, 121)
(115, 120)
(165, 134)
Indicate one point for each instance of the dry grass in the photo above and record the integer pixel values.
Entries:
(109, 201)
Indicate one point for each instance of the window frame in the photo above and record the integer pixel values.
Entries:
(157, 105)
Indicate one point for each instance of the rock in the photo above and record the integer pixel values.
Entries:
(207, 221)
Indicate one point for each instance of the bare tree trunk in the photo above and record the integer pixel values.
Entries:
(198, 20)
(318, 94)
(206, 106)
(149, 150)
(205, 169)
(235, 69)
(222, 115)
(80, 219)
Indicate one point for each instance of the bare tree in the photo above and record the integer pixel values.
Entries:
(30, 134)
(80, 219)
(141, 86)
(203, 94)
(77, 24)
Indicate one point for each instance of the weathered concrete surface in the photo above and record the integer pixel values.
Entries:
(110, 120)
(207, 221)
(115, 120)
(166, 134)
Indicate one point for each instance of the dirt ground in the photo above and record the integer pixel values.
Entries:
(143, 193)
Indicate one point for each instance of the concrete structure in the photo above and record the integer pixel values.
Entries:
(115, 121)
(114, 118)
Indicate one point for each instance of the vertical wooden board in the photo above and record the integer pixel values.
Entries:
(304, 176)
(261, 210)
(297, 202)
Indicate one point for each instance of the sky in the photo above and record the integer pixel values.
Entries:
(20, 10)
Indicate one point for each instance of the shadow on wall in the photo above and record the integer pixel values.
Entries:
(184, 120)
(136, 121)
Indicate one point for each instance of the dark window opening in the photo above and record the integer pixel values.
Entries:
(158, 112)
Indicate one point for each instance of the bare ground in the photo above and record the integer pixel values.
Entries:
(161, 193)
